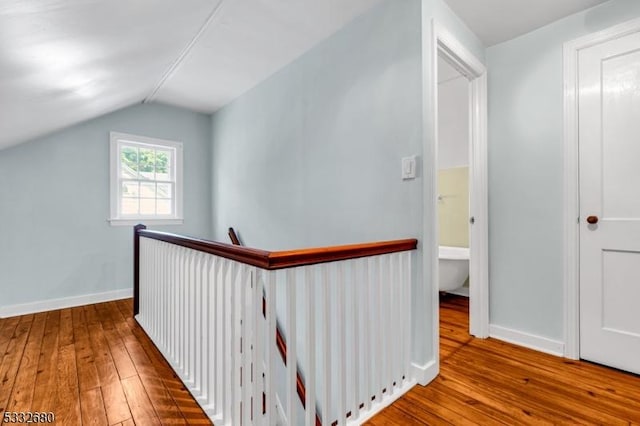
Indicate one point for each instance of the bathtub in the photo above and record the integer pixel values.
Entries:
(454, 267)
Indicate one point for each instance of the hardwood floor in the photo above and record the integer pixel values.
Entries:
(488, 382)
(93, 365)
(90, 365)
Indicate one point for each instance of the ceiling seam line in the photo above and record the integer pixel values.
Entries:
(185, 52)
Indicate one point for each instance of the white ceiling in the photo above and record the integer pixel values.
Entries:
(495, 21)
(66, 61)
(246, 42)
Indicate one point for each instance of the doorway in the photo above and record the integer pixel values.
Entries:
(602, 177)
(444, 45)
(453, 206)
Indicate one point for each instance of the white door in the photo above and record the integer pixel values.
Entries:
(609, 146)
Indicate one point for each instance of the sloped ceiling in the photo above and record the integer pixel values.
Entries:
(246, 42)
(66, 61)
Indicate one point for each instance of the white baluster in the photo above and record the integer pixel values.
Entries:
(272, 351)
(245, 345)
(356, 331)
(258, 348)
(292, 361)
(206, 360)
(198, 325)
(220, 274)
(228, 344)
(326, 345)
(171, 317)
(376, 379)
(342, 352)
(252, 316)
(180, 342)
(407, 312)
(367, 344)
(310, 378)
(192, 316)
(395, 287)
(386, 298)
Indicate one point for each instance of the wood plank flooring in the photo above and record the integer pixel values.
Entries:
(93, 365)
(90, 365)
(488, 382)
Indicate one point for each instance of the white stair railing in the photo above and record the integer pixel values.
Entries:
(344, 314)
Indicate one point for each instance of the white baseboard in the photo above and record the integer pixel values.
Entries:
(424, 374)
(62, 303)
(531, 341)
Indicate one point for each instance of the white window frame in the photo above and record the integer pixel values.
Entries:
(118, 139)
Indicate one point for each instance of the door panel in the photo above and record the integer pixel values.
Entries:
(609, 146)
(620, 313)
(621, 152)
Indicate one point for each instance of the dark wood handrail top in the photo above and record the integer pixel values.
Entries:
(282, 259)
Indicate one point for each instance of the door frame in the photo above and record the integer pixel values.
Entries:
(443, 42)
(571, 50)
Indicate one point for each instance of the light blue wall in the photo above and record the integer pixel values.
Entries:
(54, 203)
(526, 170)
(311, 156)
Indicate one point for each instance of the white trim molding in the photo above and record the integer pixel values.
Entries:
(571, 189)
(531, 341)
(425, 374)
(444, 43)
(65, 302)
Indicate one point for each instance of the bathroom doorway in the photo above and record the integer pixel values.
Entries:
(453, 205)
(466, 68)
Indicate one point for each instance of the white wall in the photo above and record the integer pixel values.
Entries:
(526, 170)
(453, 123)
(55, 241)
(311, 156)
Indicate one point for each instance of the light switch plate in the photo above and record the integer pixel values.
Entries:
(409, 167)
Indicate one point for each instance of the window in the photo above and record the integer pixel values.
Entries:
(146, 180)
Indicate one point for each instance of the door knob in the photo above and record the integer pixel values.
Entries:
(592, 220)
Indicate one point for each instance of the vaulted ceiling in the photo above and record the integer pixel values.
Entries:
(65, 61)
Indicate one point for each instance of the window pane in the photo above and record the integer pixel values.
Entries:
(148, 189)
(165, 207)
(163, 164)
(129, 162)
(164, 190)
(129, 206)
(146, 163)
(147, 206)
(130, 189)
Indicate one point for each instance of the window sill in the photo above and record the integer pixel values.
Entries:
(145, 221)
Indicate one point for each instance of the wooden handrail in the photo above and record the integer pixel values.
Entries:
(272, 260)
